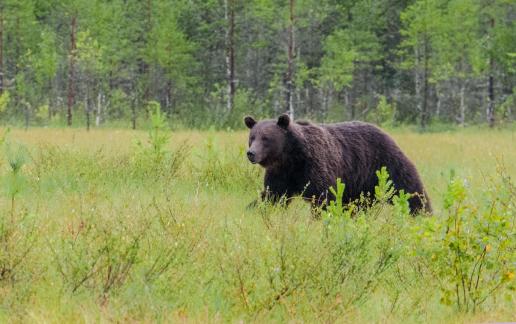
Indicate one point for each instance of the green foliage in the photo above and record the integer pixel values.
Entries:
(401, 203)
(244, 101)
(18, 232)
(108, 265)
(506, 109)
(384, 193)
(154, 159)
(336, 207)
(42, 112)
(19, 235)
(455, 41)
(130, 52)
(157, 139)
(17, 157)
(4, 101)
(359, 238)
(384, 190)
(337, 64)
(384, 113)
(119, 107)
(89, 52)
(46, 59)
(470, 249)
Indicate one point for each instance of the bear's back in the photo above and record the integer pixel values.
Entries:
(357, 131)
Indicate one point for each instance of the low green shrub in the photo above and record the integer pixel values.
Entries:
(20, 233)
(153, 159)
(471, 248)
(97, 252)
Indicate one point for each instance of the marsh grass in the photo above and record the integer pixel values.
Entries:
(104, 229)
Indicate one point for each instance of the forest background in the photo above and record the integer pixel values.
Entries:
(207, 63)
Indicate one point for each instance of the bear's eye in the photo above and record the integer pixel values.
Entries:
(252, 138)
(265, 139)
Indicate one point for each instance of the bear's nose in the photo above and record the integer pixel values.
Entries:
(251, 155)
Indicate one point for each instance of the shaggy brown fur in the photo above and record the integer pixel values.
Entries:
(305, 158)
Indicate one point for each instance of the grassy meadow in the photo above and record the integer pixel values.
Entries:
(114, 225)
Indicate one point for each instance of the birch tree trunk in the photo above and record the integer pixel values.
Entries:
(134, 101)
(417, 81)
(27, 113)
(99, 109)
(146, 66)
(323, 98)
(1, 49)
(51, 100)
(71, 70)
(438, 94)
(290, 62)
(462, 107)
(229, 13)
(87, 106)
(490, 87)
(350, 102)
(424, 111)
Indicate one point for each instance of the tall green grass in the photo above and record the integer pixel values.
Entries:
(121, 226)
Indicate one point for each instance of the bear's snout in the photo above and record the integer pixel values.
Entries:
(251, 155)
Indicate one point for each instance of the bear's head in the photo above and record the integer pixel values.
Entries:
(267, 139)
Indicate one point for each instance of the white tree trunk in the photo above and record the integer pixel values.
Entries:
(417, 80)
(462, 107)
(439, 100)
(99, 109)
(324, 101)
(229, 15)
(87, 108)
(290, 61)
(228, 68)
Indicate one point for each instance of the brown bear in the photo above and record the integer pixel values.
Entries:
(302, 158)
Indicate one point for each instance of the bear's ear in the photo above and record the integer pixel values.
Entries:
(283, 121)
(249, 122)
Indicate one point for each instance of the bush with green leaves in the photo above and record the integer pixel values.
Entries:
(18, 229)
(173, 235)
(384, 194)
(154, 159)
(384, 114)
(4, 101)
(471, 248)
(506, 110)
(119, 106)
(290, 259)
(362, 237)
(97, 252)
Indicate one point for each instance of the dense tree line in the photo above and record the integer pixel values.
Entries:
(208, 62)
